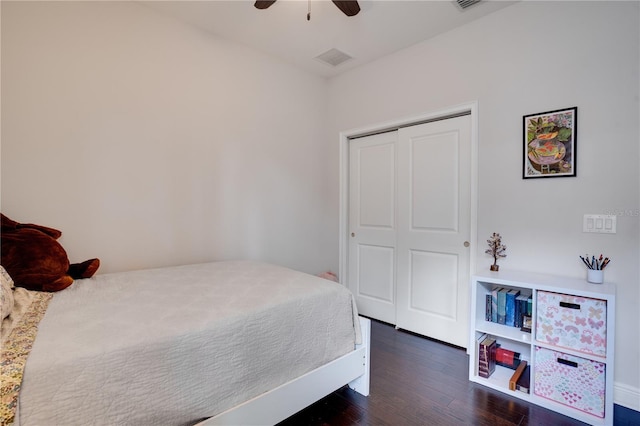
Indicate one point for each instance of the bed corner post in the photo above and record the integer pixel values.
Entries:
(361, 384)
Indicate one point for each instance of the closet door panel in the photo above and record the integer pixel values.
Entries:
(434, 182)
(433, 226)
(372, 225)
(428, 272)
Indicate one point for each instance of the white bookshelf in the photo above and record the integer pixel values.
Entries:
(545, 287)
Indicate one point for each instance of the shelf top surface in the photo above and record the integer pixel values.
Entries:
(547, 282)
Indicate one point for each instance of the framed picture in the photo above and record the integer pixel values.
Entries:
(526, 323)
(549, 145)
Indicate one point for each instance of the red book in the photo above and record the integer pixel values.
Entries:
(507, 358)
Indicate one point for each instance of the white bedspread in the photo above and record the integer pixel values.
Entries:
(174, 345)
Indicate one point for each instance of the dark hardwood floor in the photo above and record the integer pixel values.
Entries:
(418, 381)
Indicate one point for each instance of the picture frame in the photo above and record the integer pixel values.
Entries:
(526, 324)
(549, 144)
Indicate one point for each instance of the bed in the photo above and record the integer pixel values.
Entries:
(235, 342)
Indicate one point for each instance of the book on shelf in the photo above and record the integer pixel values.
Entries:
(516, 375)
(487, 308)
(523, 383)
(518, 314)
(502, 299)
(507, 358)
(521, 308)
(487, 356)
(494, 304)
(510, 307)
(478, 341)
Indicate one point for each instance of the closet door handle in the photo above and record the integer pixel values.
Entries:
(466, 244)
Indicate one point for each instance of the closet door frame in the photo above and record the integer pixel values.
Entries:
(466, 108)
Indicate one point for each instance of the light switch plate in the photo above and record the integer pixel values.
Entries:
(599, 223)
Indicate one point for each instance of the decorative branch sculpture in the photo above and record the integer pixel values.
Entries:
(496, 249)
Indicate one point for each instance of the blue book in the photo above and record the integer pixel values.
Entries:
(510, 307)
(502, 299)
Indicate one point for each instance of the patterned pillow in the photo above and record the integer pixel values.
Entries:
(6, 294)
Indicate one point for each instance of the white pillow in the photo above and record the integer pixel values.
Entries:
(6, 294)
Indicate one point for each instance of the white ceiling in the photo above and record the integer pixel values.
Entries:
(381, 27)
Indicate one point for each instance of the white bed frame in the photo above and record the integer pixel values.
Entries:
(282, 402)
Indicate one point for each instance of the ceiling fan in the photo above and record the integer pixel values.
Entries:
(348, 7)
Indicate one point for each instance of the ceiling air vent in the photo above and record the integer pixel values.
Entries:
(466, 3)
(333, 57)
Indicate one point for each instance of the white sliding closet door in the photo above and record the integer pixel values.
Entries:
(434, 191)
(409, 227)
(372, 225)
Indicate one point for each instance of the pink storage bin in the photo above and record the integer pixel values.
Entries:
(566, 321)
(570, 380)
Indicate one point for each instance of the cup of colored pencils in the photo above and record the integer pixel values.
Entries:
(595, 268)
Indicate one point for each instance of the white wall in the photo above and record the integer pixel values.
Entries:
(150, 143)
(527, 58)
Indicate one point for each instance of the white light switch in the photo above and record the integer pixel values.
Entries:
(599, 223)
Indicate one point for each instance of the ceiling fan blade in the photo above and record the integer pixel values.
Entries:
(263, 4)
(348, 7)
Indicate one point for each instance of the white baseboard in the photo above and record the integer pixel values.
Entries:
(626, 396)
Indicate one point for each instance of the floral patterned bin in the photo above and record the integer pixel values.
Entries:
(570, 380)
(566, 321)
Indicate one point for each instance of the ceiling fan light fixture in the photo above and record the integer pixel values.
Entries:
(333, 57)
